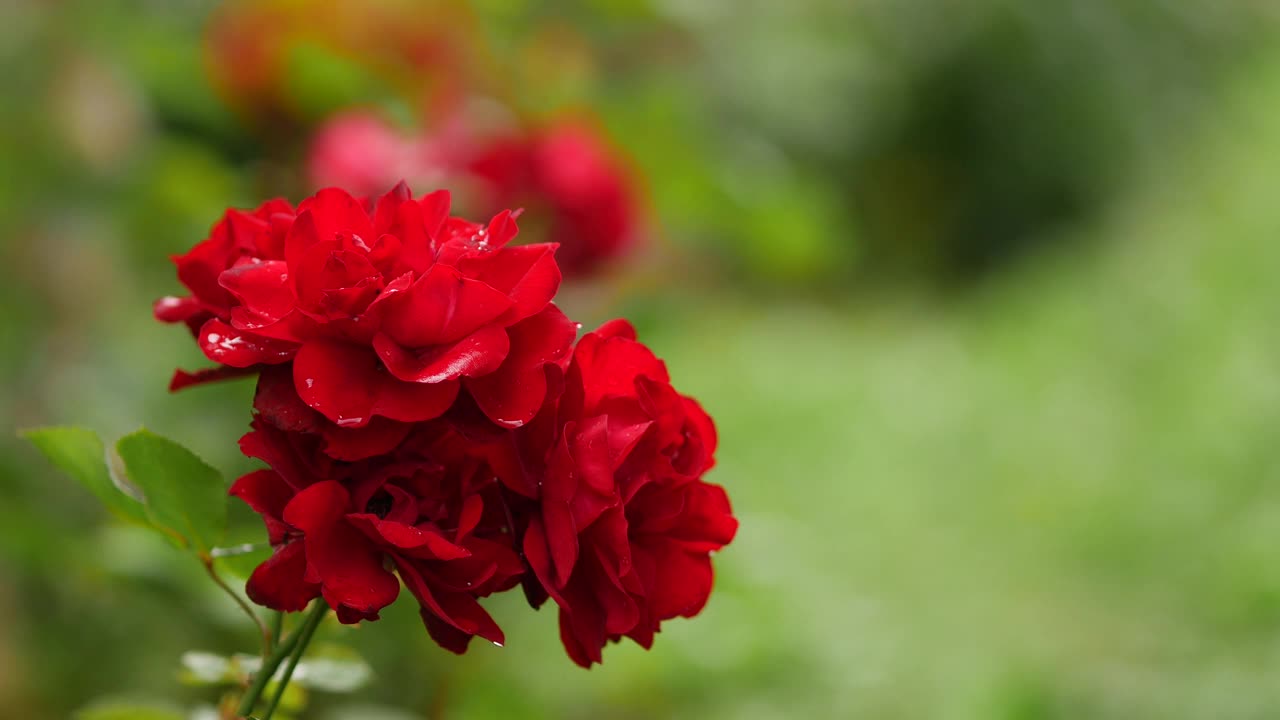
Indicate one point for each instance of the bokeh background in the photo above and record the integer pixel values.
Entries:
(982, 294)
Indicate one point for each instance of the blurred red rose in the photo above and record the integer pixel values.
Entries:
(568, 177)
(361, 152)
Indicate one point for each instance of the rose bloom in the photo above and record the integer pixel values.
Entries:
(568, 175)
(385, 309)
(430, 508)
(363, 153)
(623, 526)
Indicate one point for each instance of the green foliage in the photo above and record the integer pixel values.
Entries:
(79, 453)
(185, 497)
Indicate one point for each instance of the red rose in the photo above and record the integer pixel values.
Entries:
(389, 309)
(623, 528)
(431, 509)
(360, 151)
(568, 176)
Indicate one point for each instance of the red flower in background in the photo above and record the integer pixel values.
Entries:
(389, 309)
(361, 152)
(567, 176)
(624, 526)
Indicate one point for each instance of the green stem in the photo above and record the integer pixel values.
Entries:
(306, 631)
(270, 664)
(207, 561)
(277, 626)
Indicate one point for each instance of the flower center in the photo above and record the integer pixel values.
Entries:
(380, 504)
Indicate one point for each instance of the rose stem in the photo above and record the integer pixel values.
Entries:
(266, 634)
(306, 631)
(284, 649)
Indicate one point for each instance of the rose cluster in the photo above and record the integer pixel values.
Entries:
(428, 419)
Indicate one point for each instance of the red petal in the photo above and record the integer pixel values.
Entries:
(263, 290)
(536, 552)
(407, 539)
(576, 650)
(279, 583)
(348, 566)
(681, 580)
(348, 385)
(441, 307)
(183, 379)
(477, 354)
(618, 327)
(511, 395)
(435, 210)
(336, 282)
(379, 437)
(224, 344)
(528, 274)
(502, 229)
(334, 211)
(172, 309)
(459, 610)
(264, 491)
(276, 400)
(608, 367)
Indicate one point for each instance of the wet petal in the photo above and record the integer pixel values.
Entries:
(262, 289)
(528, 274)
(477, 354)
(512, 394)
(348, 384)
(224, 344)
(440, 307)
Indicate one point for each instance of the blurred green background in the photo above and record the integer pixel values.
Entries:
(980, 293)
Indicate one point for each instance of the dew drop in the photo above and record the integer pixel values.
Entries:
(213, 337)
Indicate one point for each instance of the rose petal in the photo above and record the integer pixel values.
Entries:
(528, 274)
(441, 307)
(183, 379)
(333, 212)
(279, 583)
(224, 344)
(476, 354)
(348, 566)
(512, 394)
(407, 539)
(263, 290)
(348, 385)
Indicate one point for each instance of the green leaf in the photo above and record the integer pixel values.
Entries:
(79, 453)
(203, 668)
(185, 496)
(128, 710)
